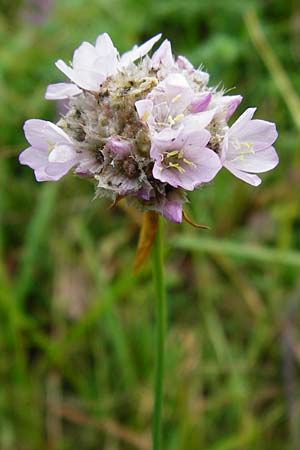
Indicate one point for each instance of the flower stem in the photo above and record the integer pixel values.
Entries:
(161, 321)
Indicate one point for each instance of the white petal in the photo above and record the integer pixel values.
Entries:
(104, 45)
(107, 55)
(62, 154)
(198, 120)
(84, 56)
(139, 52)
(60, 91)
(42, 134)
(144, 108)
(84, 78)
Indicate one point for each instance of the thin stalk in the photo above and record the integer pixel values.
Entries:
(161, 322)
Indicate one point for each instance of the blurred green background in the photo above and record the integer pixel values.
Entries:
(76, 327)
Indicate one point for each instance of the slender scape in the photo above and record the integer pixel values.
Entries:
(161, 322)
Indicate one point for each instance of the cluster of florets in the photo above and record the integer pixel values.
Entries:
(145, 128)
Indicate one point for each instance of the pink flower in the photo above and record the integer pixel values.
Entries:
(167, 103)
(247, 148)
(91, 65)
(51, 154)
(182, 158)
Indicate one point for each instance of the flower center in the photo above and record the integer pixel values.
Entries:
(243, 148)
(50, 144)
(175, 159)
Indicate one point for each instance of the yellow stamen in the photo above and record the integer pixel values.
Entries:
(177, 166)
(178, 117)
(189, 163)
(175, 99)
(51, 145)
(172, 153)
(145, 116)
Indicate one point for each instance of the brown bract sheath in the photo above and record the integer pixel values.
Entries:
(146, 238)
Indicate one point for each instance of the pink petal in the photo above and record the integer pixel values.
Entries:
(195, 139)
(184, 63)
(200, 102)
(33, 157)
(241, 122)
(163, 55)
(207, 164)
(172, 209)
(58, 170)
(259, 133)
(233, 103)
(117, 145)
(260, 161)
(40, 133)
(249, 178)
(40, 175)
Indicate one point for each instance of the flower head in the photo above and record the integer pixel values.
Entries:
(147, 128)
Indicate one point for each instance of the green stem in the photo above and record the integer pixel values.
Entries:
(161, 321)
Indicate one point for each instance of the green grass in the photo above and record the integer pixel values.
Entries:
(77, 326)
